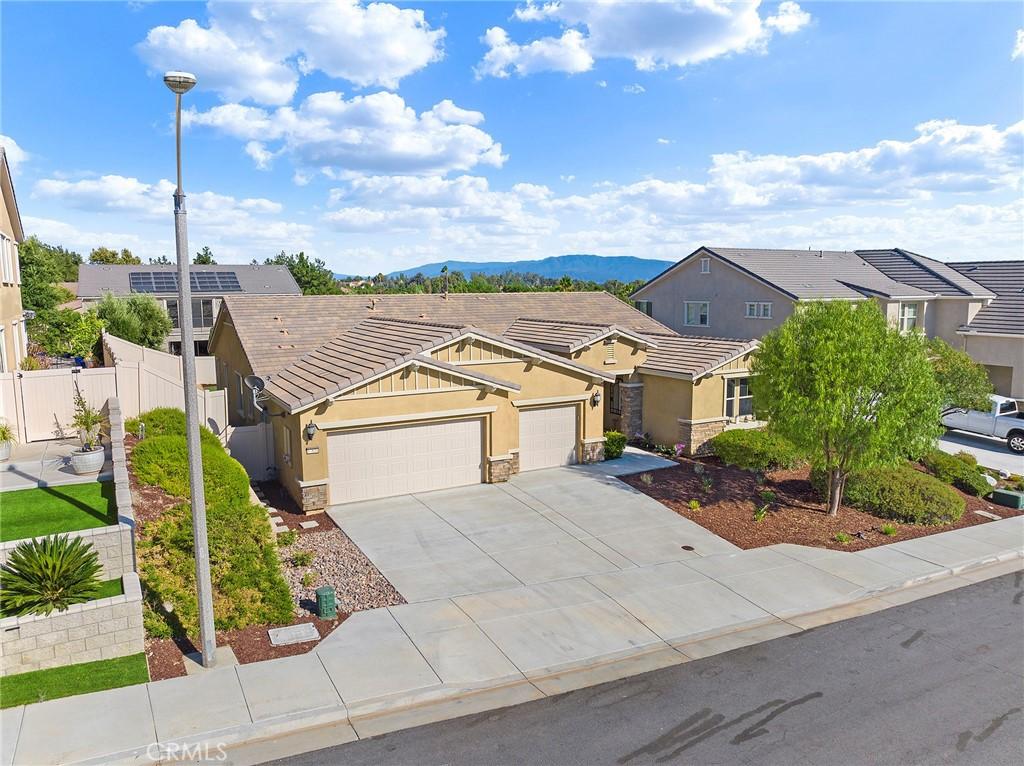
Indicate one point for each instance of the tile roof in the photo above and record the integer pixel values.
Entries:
(693, 356)
(277, 331)
(810, 274)
(1005, 314)
(924, 273)
(95, 280)
(564, 337)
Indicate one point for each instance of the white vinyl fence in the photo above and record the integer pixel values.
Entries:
(253, 447)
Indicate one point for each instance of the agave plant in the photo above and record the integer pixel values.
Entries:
(48, 574)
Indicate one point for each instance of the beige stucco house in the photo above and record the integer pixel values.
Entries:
(13, 338)
(371, 396)
(746, 292)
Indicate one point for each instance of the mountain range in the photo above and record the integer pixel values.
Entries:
(598, 268)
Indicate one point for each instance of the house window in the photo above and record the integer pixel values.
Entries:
(286, 447)
(3, 351)
(646, 307)
(172, 312)
(202, 312)
(615, 399)
(758, 310)
(705, 265)
(696, 313)
(908, 316)
(739, 402)
(6, 267)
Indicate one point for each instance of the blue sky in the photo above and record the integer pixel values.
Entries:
(379, 137)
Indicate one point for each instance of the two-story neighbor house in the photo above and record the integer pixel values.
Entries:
(13, 337)
(209, 286)
(745, 292)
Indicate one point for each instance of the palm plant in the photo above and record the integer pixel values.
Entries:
(48, 574)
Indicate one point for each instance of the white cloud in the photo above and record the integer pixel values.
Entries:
(1018, 47)
(15, 154)
(560, 54)
(653, 35)
(365, 134)
(635, 89)
(665, 141)
(602, 83)
(259, 50)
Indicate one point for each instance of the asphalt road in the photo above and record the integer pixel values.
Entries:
(934, 682)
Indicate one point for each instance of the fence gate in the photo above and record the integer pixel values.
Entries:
(253, 447)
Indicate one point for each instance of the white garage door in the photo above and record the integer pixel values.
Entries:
(397, 460)
(547, 437)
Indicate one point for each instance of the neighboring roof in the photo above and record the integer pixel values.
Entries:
(565, 337)
(693, 356)
(7, 190)
(95, 280)
(924, 273)
(275, 332)
(1005, 314)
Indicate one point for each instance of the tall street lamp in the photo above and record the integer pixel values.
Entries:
(181, 83)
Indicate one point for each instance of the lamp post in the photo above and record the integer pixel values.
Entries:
(181, 83)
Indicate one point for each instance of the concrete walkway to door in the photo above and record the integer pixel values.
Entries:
(539, 527)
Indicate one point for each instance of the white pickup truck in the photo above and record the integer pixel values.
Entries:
(1003, 421)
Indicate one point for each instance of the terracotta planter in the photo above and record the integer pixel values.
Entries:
(5, 451)
(85, 461)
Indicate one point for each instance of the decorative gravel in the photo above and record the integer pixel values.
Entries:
(358, 584)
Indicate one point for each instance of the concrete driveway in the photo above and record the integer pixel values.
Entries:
(541, 526)
(991, 453)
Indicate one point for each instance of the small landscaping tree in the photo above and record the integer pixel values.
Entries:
(846, 389)
(64, 331)
(962, 382)
(138, 319)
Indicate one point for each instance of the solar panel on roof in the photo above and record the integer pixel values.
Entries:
(215, 282)
(153, 281)
(167, 282)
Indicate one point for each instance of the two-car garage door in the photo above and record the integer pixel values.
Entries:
(398, 460)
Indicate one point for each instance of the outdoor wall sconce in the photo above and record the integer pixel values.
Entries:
(310, 430)
(595, 399)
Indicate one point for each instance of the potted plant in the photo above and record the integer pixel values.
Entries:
(6, 441)
(88, 420)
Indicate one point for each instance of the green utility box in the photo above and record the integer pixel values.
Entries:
(1008, 497)
(325, 603)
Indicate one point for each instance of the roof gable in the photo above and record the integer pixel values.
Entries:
(923, 273)
(1005, 314)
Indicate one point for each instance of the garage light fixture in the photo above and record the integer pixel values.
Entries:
(310, 430)
(595, 399)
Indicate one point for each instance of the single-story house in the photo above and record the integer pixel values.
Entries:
(371, 396)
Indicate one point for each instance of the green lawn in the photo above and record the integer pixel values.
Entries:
(47, 510)
(41, 685)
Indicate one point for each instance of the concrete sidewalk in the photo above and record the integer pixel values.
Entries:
(402, 666)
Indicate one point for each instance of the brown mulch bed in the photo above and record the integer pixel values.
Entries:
(797, 516)
(288, 510)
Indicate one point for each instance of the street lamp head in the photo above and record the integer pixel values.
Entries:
(180, 82)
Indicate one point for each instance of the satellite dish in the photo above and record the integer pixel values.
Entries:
(255, 382)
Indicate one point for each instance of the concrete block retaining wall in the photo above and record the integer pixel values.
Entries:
(112, 544)
(96, 630)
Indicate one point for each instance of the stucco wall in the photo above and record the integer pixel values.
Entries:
(231, 359)
(666, 400)
(1001, 353)
(10, 301)
(726, 288)
(628, 355)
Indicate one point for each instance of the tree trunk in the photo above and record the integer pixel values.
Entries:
(835, 491)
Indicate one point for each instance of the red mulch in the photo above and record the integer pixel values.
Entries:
(797, 516)
(278, 498)
(252, 644)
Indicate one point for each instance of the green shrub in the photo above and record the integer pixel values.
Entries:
(302, 559)
(614, 444)
(47, 574)
(954, 470)
(902, 494)
(889, 530)
(167, 421)
(284, 539)
(248, 588)
(755, 449)
(966, 457)
(842, 538)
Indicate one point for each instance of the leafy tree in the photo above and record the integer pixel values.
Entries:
(65, 331)
(962, 382)
(107, 256)
(138, 318)
(42, 266)
(163, 260)
(565, 283)
(847, 389)
(312, 275)
(204, 257)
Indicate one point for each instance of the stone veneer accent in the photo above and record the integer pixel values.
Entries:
(502, 468)
(695, 435)
(631, 409)
(95, 630)
(593, 451)
(314, 498)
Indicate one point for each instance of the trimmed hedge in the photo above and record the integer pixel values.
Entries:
(166, 421)
(960, 470)
(900, 493)
(614, 444)
(755, 449)
(248, 588)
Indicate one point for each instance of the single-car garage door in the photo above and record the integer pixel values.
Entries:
(397, 460)
(547, 437)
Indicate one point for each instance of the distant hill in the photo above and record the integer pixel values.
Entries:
(599, 268)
